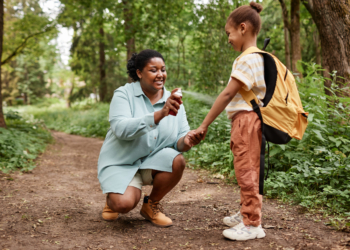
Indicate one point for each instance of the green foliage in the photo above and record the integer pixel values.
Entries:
(21, 143)
(90, 120)
(27, 52)
(315, 172)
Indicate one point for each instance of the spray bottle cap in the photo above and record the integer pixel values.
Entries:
(178, 92)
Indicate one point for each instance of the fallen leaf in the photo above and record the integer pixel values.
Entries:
(218, 176)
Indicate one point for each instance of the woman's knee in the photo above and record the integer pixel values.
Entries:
(179, 163)
(121, 204)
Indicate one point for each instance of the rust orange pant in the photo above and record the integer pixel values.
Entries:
(246, 146)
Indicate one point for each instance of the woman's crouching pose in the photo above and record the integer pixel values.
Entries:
(143, 144)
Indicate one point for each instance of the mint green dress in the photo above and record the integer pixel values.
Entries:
(134, 141)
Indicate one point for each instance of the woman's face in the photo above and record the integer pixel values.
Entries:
(235, 35)
(153, 75)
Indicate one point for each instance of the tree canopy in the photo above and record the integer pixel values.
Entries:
(190, 35)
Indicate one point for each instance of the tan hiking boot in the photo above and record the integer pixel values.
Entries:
(152, 211)
(108, 214)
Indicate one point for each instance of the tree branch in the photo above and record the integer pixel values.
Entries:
(308, 6)
(23, 45)
(285, 14)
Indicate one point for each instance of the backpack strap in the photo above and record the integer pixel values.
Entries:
(248, 96)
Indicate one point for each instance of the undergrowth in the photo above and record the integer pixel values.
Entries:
(21, 142)
(89, 120)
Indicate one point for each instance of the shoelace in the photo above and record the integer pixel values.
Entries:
(156, 207)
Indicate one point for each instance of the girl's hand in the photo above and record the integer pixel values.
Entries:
(202, 131)
(192, 139)
(172, 103)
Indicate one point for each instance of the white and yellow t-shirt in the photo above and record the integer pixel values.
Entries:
(250, 71)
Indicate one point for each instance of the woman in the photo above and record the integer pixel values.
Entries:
(143, 144)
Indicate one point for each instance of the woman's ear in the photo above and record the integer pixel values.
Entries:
(139, 74)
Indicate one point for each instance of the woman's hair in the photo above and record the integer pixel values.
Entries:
(247, 13)
(139, 61)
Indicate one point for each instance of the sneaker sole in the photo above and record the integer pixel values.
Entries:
(259, 236)
(150, 220)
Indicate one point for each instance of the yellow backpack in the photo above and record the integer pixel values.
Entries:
(282, 116)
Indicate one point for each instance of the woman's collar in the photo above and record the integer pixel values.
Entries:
(138, 91)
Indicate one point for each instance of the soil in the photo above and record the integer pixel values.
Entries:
(58, 206)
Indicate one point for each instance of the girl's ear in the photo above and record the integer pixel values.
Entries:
(243, 28)
(139, 74)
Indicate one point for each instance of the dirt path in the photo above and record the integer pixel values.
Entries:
(58, 206)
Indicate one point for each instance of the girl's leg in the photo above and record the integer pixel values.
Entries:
(123, 203)
(246, 146)
(163, 182)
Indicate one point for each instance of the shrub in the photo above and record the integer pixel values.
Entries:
(21, 143)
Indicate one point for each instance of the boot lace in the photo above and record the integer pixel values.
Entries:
(156, 207)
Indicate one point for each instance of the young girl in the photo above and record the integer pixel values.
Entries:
(242, 28)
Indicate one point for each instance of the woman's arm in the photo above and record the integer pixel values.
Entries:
(126, 127)
(219, 105)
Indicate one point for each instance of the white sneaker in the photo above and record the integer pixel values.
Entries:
(242, 232)
(233, 220)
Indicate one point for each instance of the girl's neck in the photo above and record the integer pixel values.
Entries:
(248, 44)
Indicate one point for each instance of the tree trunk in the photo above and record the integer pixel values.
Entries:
(129, 32)
(69, 102)
(103, 83)
(333, 24)
(317, 47)
(2, 118)
(295, 34)
(293, 27)
(287, 49)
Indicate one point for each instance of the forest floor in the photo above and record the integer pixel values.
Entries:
(58, 206)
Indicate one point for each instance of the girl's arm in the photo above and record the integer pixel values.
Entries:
(219, 105)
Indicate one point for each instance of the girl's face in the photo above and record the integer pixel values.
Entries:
(153, 75)
(236, 35)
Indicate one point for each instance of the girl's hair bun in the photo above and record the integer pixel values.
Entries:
(256, 6)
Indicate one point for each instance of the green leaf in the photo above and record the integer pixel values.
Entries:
(318, 134)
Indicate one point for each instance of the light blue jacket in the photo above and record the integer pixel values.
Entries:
(134, 141)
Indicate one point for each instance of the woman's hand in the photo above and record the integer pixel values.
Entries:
(192, 139)
(188, 141)
(172, 103)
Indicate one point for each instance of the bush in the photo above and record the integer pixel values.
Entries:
(21, 143)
